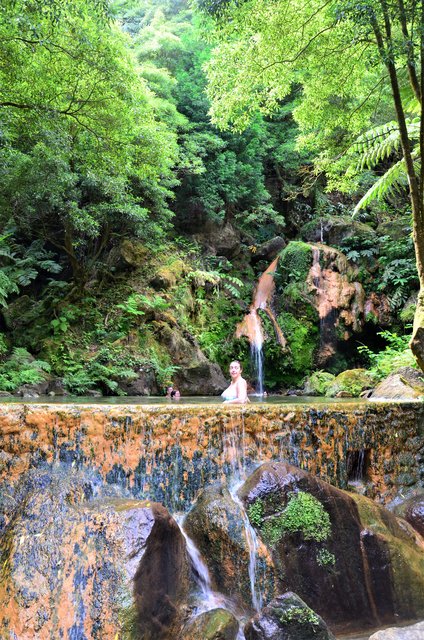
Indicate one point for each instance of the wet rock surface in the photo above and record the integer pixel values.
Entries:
(217, 624)
(168, 452)
(216, 524)
(366, 571)
(163, 579)
(287, 617)
(413, 512)
(69, 550)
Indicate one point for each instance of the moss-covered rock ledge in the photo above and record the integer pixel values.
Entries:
(167, 453)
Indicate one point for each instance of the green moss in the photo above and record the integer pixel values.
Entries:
(295, 261)
(325, 558)
(289, 367)
(303, 514)
(352, 381)
(299, 615)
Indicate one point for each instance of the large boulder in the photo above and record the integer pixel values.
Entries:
(350, 383)
(287, 617)
(349, 559)
(217, 624)
(333, 230)
(217, 524)
(195, 375)
(162, 580)
(70, 549)
(410, 632)
(404, 384)
(144, 384)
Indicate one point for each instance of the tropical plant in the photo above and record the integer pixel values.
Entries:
(396, 354)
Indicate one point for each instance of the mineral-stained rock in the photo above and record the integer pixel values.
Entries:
(411, 632)
(287, 617)
(69, 551)
(366, 570)
(403, 384)
(218, 624)
(216, 524)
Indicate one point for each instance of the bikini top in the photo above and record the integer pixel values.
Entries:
(230, 393)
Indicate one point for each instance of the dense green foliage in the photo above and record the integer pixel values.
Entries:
(132, 217)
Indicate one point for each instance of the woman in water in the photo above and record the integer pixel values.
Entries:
(237, 391)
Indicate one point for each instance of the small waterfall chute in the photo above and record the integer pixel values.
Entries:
(251, 325)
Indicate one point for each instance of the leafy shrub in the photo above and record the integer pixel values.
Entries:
(318, 383)
(396, 354)
(21, 368)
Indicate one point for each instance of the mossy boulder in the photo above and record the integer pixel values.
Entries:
(287, 617)
(349, 559)
(351, 383)
(169, 274)
(217, 624)
(295, 262)
(318, 383)
(334, 230)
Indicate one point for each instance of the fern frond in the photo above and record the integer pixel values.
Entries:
(394, 179)
(381, 142)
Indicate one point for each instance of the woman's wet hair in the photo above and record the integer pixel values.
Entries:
(237, 362)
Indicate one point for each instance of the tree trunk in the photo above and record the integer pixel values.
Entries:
(417, 340)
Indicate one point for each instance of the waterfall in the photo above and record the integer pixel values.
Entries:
(251, 325)
(253, 545)
(208, 598)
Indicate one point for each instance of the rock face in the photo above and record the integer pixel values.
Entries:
(404, 384)
(195, 376)
(349, 559)
(70, 549)
(218, 624)
(217, 525)
(287, 617)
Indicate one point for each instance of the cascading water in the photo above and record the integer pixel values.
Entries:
(208, 598)
(253, 545)
(251, 326)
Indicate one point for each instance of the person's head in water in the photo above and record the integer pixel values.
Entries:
(169, 391)
(235, 370)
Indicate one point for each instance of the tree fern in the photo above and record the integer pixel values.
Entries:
(379, 144)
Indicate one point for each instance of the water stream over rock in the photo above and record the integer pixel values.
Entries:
(251, 325)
